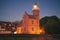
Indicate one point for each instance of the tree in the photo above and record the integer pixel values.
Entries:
(52, 24)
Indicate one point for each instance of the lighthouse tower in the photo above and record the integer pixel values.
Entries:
(36, 11)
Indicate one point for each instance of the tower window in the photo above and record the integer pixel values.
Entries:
(32, 22)
(24, 28)
(32, 29)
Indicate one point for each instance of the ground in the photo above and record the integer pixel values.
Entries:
(29, 37)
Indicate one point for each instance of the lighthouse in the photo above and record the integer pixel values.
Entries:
(30, 23)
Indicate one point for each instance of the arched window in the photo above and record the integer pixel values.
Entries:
(32, 22)
(32, 29)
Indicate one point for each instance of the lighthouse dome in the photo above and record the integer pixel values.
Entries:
(35, 7)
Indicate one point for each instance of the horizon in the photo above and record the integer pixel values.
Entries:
(13, 10)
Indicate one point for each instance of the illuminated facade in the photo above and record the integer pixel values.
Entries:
(30, 23)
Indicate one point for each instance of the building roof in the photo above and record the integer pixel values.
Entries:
(31, 16)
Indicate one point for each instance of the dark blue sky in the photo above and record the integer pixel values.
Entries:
(12, 10)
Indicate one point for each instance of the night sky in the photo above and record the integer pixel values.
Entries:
(13, 10)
